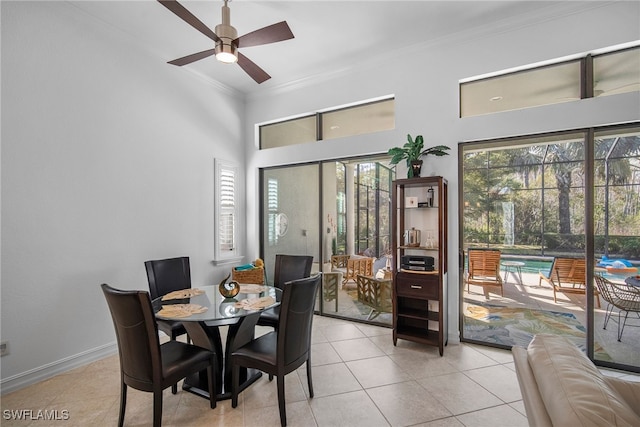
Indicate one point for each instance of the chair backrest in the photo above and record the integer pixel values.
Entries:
(295, 321)
(484, 262)
(137, 336)
(168, 275)
(604, 288)
(357, 266)
(291, 267)
(569, 271)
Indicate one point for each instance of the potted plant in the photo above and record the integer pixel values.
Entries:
(412, 151)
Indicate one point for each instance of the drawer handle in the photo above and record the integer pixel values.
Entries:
(416, 287)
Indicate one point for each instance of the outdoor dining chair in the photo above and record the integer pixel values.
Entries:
(624, 297)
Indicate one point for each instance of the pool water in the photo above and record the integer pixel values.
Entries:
(536, 266)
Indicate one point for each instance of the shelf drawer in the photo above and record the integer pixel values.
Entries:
(413, 285)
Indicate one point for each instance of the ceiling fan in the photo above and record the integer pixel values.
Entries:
(227, 40)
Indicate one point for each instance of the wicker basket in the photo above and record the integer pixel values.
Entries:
(255, 275)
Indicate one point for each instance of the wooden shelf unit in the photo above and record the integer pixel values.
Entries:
(420, 297)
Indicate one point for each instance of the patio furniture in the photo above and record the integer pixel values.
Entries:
(567, 275)
(331, 286)
(623, 296)
(351, 266)
(484, 268)
(513, 267)
(376, 294)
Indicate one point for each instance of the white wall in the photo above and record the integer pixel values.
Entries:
(107, 161)
(425, 84)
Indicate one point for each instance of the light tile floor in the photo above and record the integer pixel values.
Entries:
(359, 377)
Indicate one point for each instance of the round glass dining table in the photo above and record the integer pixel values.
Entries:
(212, 310)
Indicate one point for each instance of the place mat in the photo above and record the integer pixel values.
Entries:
(255, 303)
(251, 288)
(181, 310)
(183, 293)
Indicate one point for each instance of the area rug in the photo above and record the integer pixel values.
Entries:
(516, 326)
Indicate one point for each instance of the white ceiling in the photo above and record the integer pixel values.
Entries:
(330, 36)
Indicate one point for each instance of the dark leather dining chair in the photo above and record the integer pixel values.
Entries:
(145, 364)
(284, 350)
(164, 276)
(287, 268)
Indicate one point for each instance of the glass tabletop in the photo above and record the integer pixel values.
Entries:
(251, 299)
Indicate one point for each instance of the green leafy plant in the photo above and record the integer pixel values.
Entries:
(413, 150)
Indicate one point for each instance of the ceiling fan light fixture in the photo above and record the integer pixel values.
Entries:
(225, 49)
(226, 53)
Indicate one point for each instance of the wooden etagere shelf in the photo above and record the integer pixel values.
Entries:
(419, 297)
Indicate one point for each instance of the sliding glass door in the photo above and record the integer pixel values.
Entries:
(335, 211)
(563, 210)
(290, 207)
(616, 231)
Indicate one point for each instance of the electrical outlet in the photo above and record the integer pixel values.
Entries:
(4, 348)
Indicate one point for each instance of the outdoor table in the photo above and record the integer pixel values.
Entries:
(513, 267)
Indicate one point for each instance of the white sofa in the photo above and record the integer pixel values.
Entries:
(561, 387)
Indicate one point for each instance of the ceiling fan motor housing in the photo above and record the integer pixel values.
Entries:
(225, 49)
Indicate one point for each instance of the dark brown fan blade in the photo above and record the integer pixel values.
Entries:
(189, 18)
(193, 57)
(256, 73)
(271, 34)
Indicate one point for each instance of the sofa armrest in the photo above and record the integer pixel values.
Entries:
(536, 412)
(628, 390)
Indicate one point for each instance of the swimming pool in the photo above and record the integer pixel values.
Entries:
(541, 265)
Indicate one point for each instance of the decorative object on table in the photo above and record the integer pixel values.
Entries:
(255, 303)
(181, 310)
(249, 273)
(412, 151)
(183, 293)
(229, 289)
(411, 202)
(250, 288)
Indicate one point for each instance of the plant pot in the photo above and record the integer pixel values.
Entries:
(414, 170)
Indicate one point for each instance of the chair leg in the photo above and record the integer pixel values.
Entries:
(235, 385)
(212, 384)
(157, 408)
(309, 380)
(620, 331)
(123, 403)
(281, 402)
(607, 315)
(174, 388)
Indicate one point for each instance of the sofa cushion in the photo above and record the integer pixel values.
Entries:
(574, 391)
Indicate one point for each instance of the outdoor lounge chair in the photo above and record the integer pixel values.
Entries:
(567, 275)
(484, 268)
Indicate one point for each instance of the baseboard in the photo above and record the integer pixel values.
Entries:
(24, 379)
